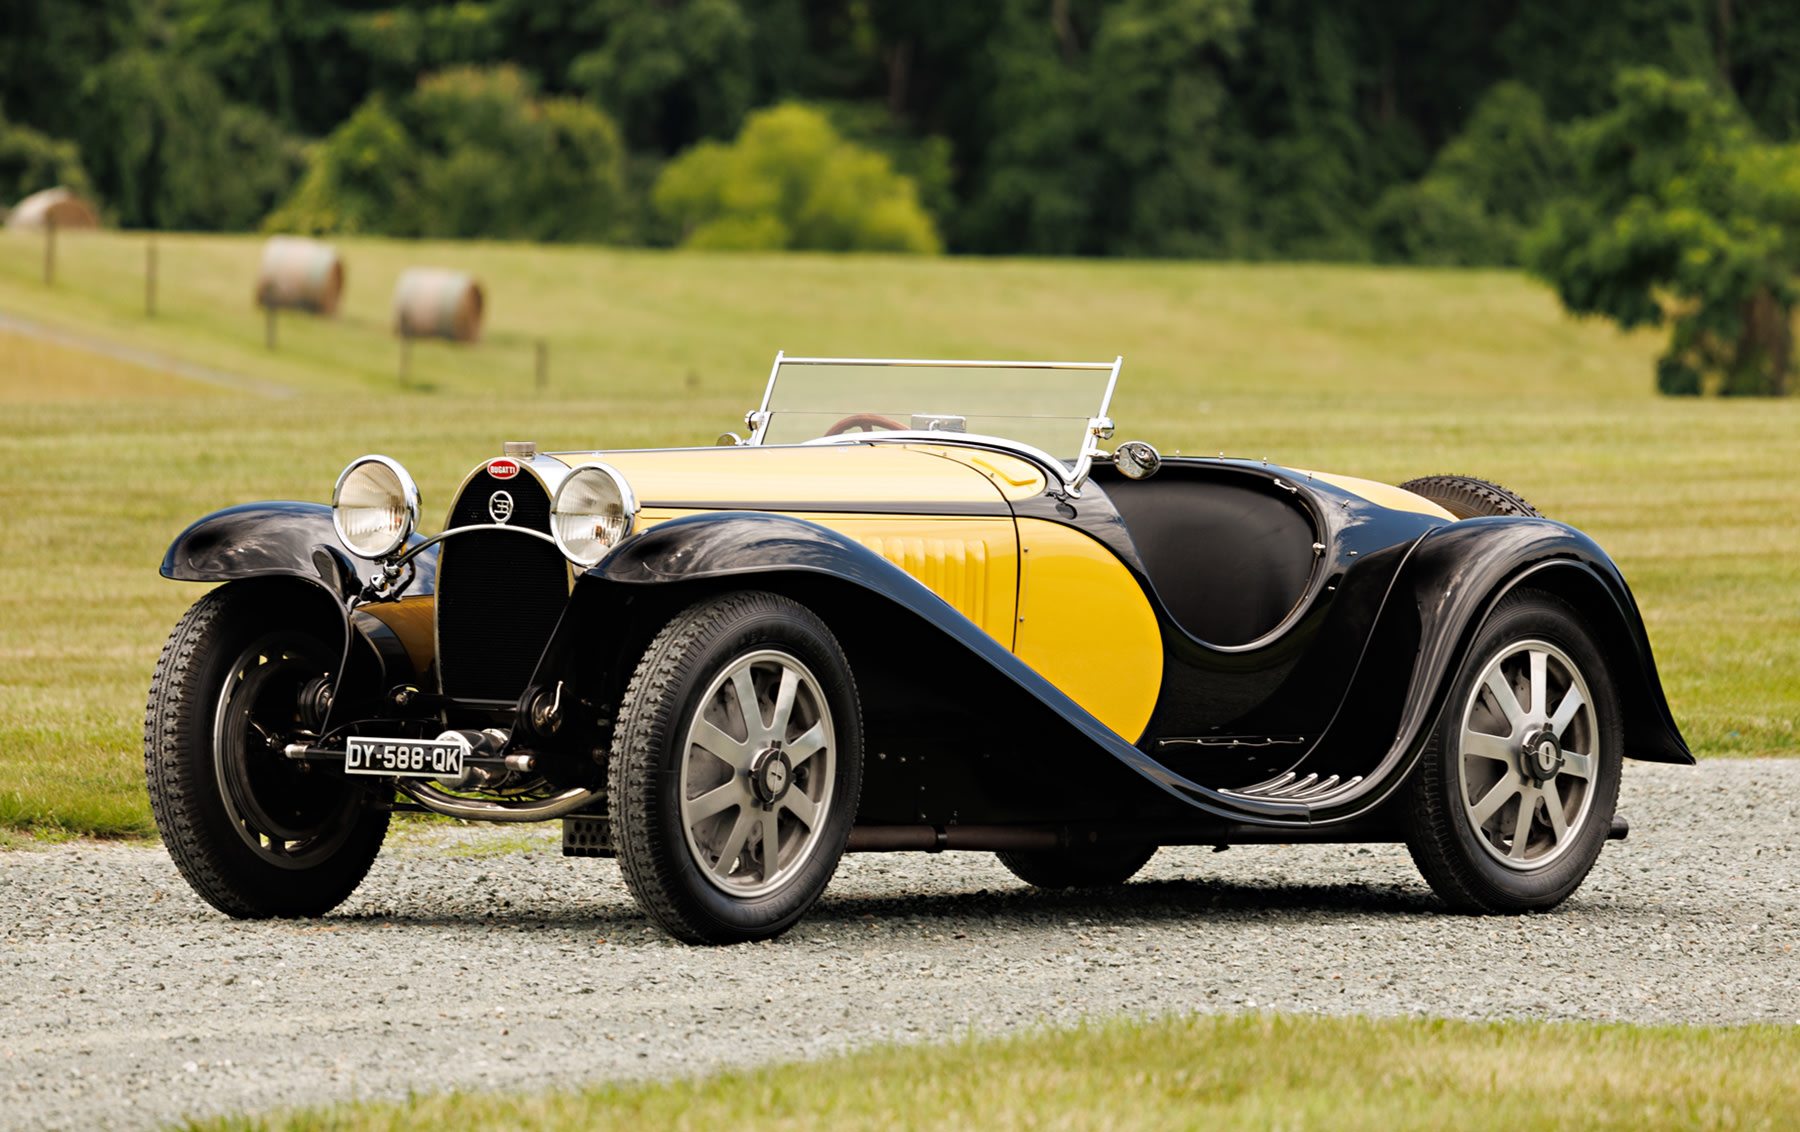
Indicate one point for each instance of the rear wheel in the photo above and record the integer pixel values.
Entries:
(736, 769)
(1514, 796)
(1078, 866)
(1467, 497)
(254, 833)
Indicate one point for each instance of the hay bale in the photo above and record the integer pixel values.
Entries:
(300, 274)
(435, 302)
(56, 206)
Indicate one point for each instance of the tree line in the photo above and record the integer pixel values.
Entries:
(1317, 129)
(1346, 130)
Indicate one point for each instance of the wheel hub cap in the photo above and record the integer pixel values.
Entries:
(1541, 757)
(770, 775)
(1529, 751)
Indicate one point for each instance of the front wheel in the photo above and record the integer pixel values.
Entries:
(736, 768)
(254, 833)
(1514, 796)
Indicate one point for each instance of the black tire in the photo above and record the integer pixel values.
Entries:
(255, 834)
(1078, 866)
(1467, 497)
(1468, 851)
(697, 876)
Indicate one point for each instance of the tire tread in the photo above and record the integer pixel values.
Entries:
(1467, 497)
(1434, 839)
(183, 795)
(646, 714)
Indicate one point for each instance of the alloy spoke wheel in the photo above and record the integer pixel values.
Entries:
(1526, 755)
(757, 767)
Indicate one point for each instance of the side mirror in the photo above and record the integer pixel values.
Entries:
(1137, 460)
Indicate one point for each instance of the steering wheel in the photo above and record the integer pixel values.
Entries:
(868, 422)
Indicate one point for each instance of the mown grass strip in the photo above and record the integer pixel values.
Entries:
(1252, 1071)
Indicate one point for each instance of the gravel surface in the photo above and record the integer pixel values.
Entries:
(484, 959)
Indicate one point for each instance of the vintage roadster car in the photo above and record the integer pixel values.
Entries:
(918, 607)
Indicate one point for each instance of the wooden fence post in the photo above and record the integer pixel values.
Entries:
(150, 278)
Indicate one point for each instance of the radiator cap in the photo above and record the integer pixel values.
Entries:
(520, 449)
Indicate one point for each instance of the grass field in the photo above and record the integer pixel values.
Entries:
(1377, 372)
(1246, 1072)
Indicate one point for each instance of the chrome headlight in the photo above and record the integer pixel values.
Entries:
(593, 512)
(375, 506)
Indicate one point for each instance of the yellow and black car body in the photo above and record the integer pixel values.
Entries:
(1067, 660)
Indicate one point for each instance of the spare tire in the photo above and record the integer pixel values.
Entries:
(1467, 497)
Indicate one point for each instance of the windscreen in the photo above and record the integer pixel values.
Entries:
(1045, 405)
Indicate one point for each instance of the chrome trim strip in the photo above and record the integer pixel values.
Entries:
(548, 472)
(997, 509)
(1056, 468)
(958, 363)
(413, 550)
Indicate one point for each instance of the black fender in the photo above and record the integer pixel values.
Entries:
(293, 539)
(747, 545)
(280, 537)
(1451, 582)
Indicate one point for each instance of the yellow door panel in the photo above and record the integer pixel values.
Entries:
(1086, 626)
(973, 564)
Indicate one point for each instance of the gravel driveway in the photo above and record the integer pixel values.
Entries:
(468, 962)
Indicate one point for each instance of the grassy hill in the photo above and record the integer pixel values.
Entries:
(1388, 373)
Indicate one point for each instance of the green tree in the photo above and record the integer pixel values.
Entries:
(48, 46)
(1681, 216)
(1110, 140)
(1486, 187)
(670, 73)
(361, 179)
(30, 161)
(790, 181)
(471, 152)
(167, 150)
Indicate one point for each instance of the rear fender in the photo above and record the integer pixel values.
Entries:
(1444, 595)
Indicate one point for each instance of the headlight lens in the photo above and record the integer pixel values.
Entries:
(593, 512)
(375, 506)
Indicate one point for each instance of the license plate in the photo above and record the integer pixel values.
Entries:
(404, 758)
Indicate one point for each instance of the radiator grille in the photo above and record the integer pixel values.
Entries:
(499, 595)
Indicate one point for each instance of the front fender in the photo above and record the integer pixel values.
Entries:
(292, 539)
(750, 545)
(275, 538)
